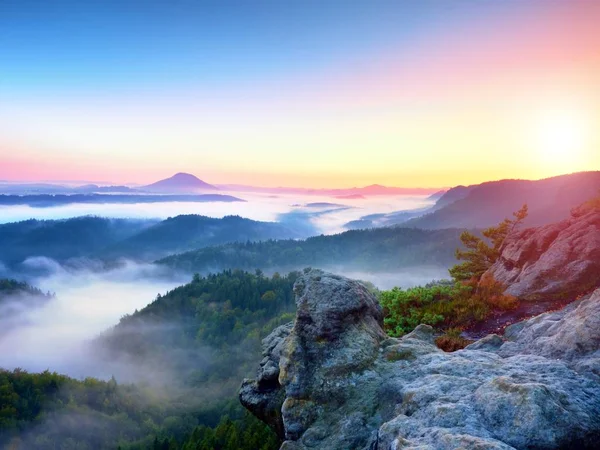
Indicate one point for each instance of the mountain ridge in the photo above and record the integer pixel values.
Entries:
(486, 204)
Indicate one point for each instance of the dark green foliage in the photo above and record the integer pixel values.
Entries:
(226, 315)
(63, 239)
(437, 305)
(442, 306)
(453, 305)
(48, 403)
(207, 333)
(245, 434)
(480, 254)
(13, 288)
(112, 239)
(377, 249)
(187, 232)
(50, 411)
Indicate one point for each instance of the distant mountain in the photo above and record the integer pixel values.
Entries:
(93, 189)
(63, 239)
(190, 232)
(47, 200)
(549, 200)
(354, 192)
(142, 240)
(378, 250)
(351, 197)
(324, 205)
(46, 188)
(180, 182)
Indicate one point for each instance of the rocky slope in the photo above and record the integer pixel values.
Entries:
(553, 262)
(333, 380)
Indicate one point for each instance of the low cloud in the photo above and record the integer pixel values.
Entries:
(56, 334)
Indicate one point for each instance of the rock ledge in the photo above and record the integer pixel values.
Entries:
(333, 380)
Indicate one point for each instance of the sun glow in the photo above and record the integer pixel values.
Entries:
(562, 138)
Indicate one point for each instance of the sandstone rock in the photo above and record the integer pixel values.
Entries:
(571, 335)
(558, 261)
(264, 396)
(343, 384)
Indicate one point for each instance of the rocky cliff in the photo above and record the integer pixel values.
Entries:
(333, 380)
(553, 262)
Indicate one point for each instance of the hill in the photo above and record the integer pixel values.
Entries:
(180, 182)
(550, 200)
(63, 239)
(382, 249)
(142, 240)
(15, 298)
(189, 232)
(13, 288)
(202, 337)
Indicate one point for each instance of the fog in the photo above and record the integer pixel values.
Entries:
(55, 334)
(264, 207)
(405, 278)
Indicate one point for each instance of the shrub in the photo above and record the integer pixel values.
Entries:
(405, 309)
(443, 306)
(452, 340)
(491, 292)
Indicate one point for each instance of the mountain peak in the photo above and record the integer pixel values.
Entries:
(179, 182)
(184, 175)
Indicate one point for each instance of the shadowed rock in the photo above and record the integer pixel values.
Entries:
(342, 384)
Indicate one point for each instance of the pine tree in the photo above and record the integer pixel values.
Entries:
(480, 254)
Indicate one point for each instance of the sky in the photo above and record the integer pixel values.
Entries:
(308, 93)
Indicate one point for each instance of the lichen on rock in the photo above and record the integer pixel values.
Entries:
(333, 380)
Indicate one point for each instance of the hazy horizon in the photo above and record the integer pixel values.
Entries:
(230, 187)
(303, 94)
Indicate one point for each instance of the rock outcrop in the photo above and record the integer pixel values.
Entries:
(553, 262)
(333, 380)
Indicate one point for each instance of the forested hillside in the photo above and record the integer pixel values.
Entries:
(63, 239)
(381, 249)
(14, 288)
(206, 332)
(16, 297)
(187, 232)
(138, 239)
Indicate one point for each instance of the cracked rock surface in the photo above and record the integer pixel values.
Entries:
(333, 379)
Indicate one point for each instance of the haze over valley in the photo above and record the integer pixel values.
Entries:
(298, 225)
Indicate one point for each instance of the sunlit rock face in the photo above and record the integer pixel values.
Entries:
(554, 262)
(333, 380)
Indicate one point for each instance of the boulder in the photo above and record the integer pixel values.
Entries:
(342, 384)
(553, 262)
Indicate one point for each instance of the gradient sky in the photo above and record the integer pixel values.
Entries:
(317, 93)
